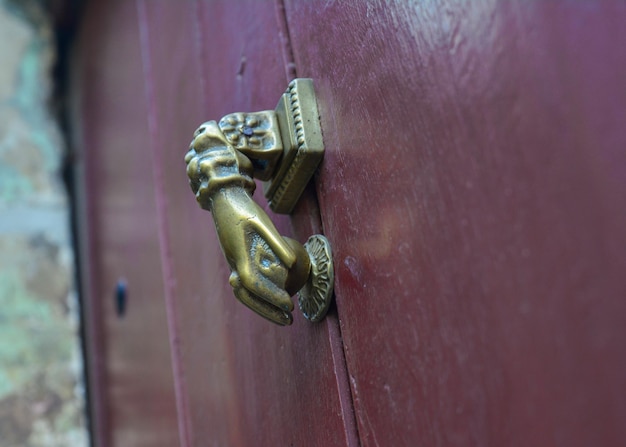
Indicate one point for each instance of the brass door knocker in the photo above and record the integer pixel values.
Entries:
(283, 147)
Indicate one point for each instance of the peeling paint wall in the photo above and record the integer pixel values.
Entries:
(41, 390)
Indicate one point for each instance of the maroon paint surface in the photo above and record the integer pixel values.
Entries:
(147, 74)
(474, 192)
(241, 380)
(130, 374)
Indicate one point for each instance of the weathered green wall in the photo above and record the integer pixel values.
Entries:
(41, 391)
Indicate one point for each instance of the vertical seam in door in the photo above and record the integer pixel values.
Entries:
(283, 34)
(341, 374)
(335, 339)
(200, 49)
(98, 412)
(184, 422)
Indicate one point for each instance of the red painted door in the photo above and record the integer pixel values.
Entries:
(473, 190)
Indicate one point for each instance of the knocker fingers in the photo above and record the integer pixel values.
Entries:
(258, 305)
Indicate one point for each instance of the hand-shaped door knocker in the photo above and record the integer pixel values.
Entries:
(282, 147)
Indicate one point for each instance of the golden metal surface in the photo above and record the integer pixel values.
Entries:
(315, 296)
(298, 118)
(255, 135)
(266, 268)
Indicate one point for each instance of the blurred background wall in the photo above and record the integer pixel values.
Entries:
(41, 371)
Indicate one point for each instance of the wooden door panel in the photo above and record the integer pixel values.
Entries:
(472, 189)
(241, 379)
(128, 357)
(473, 192)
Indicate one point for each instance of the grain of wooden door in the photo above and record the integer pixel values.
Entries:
(473, 189)
(130, 381)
